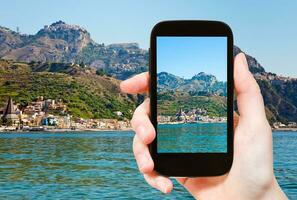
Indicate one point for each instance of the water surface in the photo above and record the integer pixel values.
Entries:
(99, 166)
(192, 138)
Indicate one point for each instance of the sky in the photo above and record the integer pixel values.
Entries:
(187, 56)
(264, 29)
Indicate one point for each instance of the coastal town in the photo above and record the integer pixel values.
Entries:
(51, 115)
(199, 115)
(191, 116)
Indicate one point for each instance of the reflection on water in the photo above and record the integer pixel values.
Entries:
(98, 166)
(192, 138)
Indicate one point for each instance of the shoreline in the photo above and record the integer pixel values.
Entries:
(7, 131)
(285, 129)
(200, 122)
(62, 130)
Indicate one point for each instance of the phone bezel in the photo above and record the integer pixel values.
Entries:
(192, 164)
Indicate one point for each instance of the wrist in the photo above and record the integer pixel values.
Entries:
(274, 192)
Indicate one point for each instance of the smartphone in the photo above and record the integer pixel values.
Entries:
(191, 92)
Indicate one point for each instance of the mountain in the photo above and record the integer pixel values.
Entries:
(279, 95)
(279, 92)
(167, 81)
(201, 84)
(61, 42)
(85, 93)
(64, 43)
(58, 42)
(254, 65)
(10, 40)
(202, 91)
(119, 60)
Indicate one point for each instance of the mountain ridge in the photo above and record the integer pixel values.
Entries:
(202, 84)
(61, 42)
(73, 44)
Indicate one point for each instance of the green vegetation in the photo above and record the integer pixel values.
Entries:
(86, 95)
(101, 72)
(170, 103)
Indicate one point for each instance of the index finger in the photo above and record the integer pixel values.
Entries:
(137, 84)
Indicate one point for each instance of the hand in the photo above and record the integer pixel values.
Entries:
(251, 175)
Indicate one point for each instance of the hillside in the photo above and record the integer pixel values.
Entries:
(85, 93)
(279, 92)
(64, 43)
(202, 91)
(279, 95)
(170, 103)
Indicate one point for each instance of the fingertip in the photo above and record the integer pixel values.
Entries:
(136, 84)
(159, 182)
(165, 185)
(243, 78)
(169, 188)
(240, 65)
(241, 58)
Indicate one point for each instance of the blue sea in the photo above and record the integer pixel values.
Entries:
(192, 138)
(99, 165)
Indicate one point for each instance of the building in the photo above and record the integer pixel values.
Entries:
(9, 113)
(180, 115)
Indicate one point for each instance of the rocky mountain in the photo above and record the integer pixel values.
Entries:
(202, 91)
(279, 95)
(279, 92)
(167, 81)
(254, 65)
(201, 84)
(119, 60)
(58, 42)
(61, 42)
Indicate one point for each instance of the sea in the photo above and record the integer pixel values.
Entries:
(99, 165)
(192, 138)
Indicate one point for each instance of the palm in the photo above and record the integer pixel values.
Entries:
(242, 174)
(251, 175)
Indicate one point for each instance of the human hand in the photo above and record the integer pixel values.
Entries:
(251, 175)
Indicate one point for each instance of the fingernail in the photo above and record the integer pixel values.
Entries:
(163, 186)
(243, 59)
(165, 189)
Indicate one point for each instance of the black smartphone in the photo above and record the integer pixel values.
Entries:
(191, 92)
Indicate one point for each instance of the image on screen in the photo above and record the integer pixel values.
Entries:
(191, 94)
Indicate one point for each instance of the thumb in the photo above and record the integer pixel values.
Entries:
(249, 99)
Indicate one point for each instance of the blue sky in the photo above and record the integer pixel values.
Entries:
(187, 56)
(265, 29)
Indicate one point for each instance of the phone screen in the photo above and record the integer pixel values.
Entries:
(191, 94)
